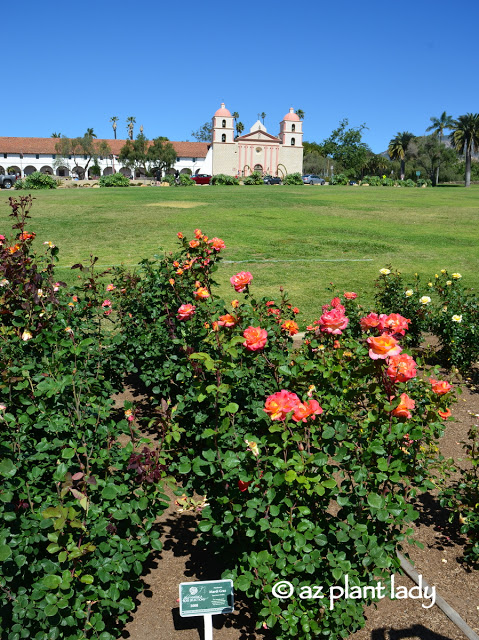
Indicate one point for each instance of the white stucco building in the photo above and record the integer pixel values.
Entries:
(26, 155)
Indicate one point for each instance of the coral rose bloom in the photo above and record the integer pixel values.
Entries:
(241, 280)
(440, 386)
(194, 243)
(306, 409)
(334, 321)
(383, 346)
(217, 244)
(186, 311)
(280, 404)
(201, 293)
(255, 338)
(369, 322)
(227, 321)
(445, 414)
(291, 327)
(394, 323)
(350, 295)
(401, 368)
(402, 410)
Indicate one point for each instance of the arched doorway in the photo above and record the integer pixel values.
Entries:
(186, 172)
(63, 172)
(258, 168)
(47, 171)
(14, 169)
(78, 172)
(2, 171)
(108, 171)
(126, 172)
(29, 170)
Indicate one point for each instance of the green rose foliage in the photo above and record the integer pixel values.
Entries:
(307, 500)
(77, 508)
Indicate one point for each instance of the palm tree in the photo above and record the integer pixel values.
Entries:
(465, 139)
(398, 147)
(113, 121)
(263, 116)
(130, 126)
(437, 127)
(90, 133)
(235, 115)
(300, 114)
(239, 128)
(56, 135)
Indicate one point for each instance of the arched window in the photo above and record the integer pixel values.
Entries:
(293, 142)
(293, 127)
(223, 124)
(223, 137)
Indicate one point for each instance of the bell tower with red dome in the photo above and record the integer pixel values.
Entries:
(291, 130)
(223, 146)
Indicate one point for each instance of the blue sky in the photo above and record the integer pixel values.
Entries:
(389, 65)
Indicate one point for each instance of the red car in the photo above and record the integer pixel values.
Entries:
(201, 178)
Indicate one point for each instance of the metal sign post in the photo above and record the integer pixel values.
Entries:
(207, 598)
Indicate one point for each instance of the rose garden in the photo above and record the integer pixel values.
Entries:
(301, 459)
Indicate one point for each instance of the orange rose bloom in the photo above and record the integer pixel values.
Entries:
(186, 311)
(201, 293)
(241, 280)
(217, 244)
(383, 346)
(255, 338)
(198, 233)
(227, 321)
(306, 409)
(194, 243)
(393, 323)
(291, 327)
(350, 295)
(440, 386)
(445, 414)
(401, 368)
(402, 410)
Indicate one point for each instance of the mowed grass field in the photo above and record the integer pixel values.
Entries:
(301, 238)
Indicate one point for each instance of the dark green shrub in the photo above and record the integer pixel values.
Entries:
(222, 179)
(185, 181)
(37, 180)
(115, 180)
(340, 179)
(255, 178)
(293, 178)
(373, 181)
(169, 178)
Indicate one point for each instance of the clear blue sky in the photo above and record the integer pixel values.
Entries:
(391, 65)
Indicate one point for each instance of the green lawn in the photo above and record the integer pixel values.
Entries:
(300, 237)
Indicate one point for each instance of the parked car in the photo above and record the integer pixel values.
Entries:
(312, 179)
(272, 180)
(7, 181)
(201, 178)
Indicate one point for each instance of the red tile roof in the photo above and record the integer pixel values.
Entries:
(47, 146)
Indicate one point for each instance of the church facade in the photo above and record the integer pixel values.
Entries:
(257, 150)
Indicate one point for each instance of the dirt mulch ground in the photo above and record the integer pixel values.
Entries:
(181, 560)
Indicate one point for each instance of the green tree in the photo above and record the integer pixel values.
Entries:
(345, 146)
(377, 164)
(204, 133)
(397, 148)
(114, 120)
(79, 150)
(130, 125)
(300, 114)
(438, 125)
(161, 154)
(239, 128)
(56, 135)
(428, 154)
(465, 139)
(90, 133)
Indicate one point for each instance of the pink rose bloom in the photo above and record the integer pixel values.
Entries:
(350, 295)
(106, 303)
(278, 405)
(394, 323)
(383, 346)
(334, 321)
(241, 280)
(401, 368)
(369, 322)
(186, 311)
(255, 338)
(306, 409)
(402, 410)
(440, 386)
(217, 244)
